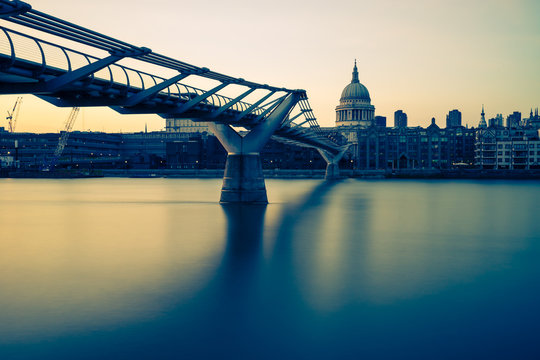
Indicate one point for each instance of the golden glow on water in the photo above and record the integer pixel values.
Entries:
(79, 254)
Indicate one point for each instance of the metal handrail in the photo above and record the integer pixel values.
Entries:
(21, 13)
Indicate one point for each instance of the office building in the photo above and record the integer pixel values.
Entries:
(400, 119)
(513, 120)
(380, 121)
(453, 119)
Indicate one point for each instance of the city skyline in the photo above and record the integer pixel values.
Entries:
(425, 58)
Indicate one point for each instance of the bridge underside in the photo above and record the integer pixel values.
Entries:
(103, 81)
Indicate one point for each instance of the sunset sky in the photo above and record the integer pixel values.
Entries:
(425, 57)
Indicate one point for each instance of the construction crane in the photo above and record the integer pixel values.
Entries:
(14, 114)
(62, 142)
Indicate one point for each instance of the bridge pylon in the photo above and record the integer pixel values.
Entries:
(332, 162)
(243, 180)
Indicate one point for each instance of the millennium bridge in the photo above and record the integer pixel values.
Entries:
(99, 75)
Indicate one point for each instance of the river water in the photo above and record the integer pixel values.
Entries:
(155, 268)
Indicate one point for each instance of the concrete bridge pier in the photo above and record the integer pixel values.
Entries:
(332, 163)
(243, 181)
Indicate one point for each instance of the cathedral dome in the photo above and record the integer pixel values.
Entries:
(355, 107)
(355, 90)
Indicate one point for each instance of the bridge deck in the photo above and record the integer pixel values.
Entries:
(67, 77)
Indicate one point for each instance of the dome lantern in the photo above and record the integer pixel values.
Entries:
(355, 90)
(355, 74)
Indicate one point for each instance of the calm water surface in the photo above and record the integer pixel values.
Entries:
(156, 268)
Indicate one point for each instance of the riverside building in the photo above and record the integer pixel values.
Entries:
(414, 148)
(377, 147)
(516, 146)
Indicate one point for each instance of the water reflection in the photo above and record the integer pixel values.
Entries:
(253, 306)
(294, 212)
(344, 270)
(313, 252)
(263, 301)
(244, 247)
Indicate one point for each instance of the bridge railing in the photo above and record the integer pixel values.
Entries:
(51, 61)
(16, 46)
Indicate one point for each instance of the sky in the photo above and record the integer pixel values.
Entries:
(424, 57)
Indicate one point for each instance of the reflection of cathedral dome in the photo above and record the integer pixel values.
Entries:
(355, 90)
(355, 107)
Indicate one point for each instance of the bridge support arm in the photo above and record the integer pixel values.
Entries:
(332, 162)
(191, 103)
(243, 181)
(59, 82)
(222, 109)
(148, 93)
(87, 70)
(81, 73)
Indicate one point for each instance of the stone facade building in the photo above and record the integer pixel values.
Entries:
(377, 147)
(414, 148)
